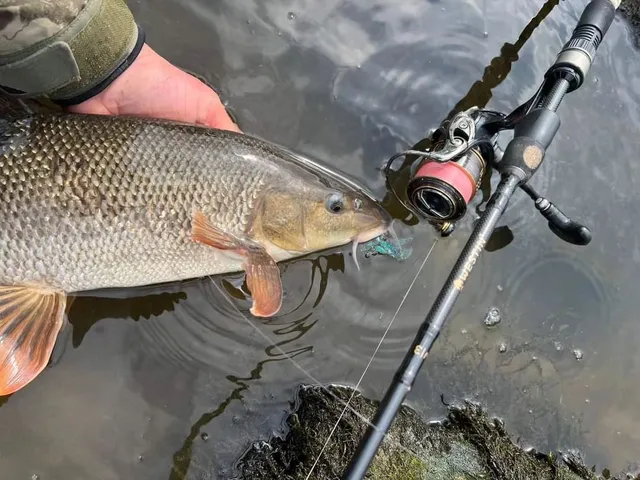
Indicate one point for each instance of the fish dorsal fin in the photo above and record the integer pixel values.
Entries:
(30, 319)
(263, 274)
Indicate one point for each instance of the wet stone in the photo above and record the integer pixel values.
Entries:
(467, 445)
(502, 348)
(204, 436)
(578, 354)
(631, 11)
(492, 318)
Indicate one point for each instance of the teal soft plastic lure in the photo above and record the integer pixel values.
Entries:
(382, 245)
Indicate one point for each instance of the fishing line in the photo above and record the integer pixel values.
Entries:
(315, 380)
(384, 335)
(311, 377)
(282, 352)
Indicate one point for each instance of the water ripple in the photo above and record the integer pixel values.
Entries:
(353, 82)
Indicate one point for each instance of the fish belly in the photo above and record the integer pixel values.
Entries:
(87, 255)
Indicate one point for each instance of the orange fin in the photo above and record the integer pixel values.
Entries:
(265, 285)
(30, 319)
(203, 232)
(263, 274)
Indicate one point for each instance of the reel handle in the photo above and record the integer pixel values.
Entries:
(562, 226)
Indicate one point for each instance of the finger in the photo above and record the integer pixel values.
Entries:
(212, 112)
(215, 115)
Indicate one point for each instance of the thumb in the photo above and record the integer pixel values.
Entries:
(214, 114)
(211, 111)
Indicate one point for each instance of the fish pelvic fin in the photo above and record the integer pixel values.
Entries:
(30, 320)
(263, 274)
(265, 284)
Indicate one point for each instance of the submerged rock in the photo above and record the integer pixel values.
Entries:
(492, 318)
(630, 10)
(467, 445)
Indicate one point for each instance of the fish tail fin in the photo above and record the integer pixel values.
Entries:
(30, 320)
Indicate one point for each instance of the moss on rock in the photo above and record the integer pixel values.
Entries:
(630, 10)
(466, 445)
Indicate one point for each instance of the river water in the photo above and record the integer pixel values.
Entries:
(173, 382)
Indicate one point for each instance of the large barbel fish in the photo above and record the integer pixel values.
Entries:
(91, 202)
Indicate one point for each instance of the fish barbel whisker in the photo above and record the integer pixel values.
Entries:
(360, 239)
(354, 253)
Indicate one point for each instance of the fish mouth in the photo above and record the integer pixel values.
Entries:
(370, 234)
(365, 237)
(379, 222)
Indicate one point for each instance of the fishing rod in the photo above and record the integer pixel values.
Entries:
(447, 175)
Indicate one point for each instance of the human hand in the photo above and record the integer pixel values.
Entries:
(153, 87)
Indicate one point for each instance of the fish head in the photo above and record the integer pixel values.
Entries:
(314, 218)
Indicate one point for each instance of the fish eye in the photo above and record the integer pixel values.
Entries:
(335, 203)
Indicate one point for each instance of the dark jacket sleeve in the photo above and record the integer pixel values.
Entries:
(65, 50)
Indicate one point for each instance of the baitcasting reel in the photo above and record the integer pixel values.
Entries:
(447, 174)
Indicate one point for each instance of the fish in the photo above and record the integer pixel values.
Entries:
(91, 202)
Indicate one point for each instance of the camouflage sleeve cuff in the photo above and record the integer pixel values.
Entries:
(89, 48)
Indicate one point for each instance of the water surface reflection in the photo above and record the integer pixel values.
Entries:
(173, 382)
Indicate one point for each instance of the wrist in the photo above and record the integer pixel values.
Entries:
(153, 87)
(80, 59)
(107, 77)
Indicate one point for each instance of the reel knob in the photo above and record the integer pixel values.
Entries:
(561, 225)
(565, 228)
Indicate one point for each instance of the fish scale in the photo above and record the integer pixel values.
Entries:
(91, 201)
(80, 191)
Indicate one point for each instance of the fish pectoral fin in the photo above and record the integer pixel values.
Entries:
(30, 319)
(203, 232)
(263, 274)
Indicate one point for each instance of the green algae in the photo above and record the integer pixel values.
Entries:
(466, 445)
